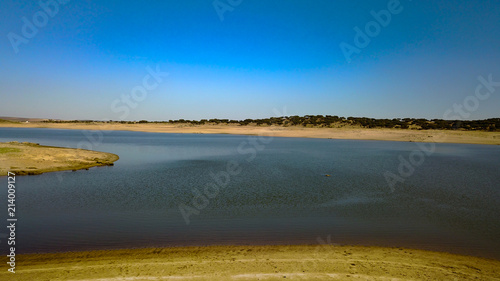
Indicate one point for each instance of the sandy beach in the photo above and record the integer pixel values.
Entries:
(354, 133)
(32, 159)
(314, 262)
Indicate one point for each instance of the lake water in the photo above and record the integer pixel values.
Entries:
(279, 194)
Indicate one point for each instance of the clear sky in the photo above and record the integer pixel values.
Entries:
(240, 59)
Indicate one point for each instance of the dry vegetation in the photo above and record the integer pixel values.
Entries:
(32, 159)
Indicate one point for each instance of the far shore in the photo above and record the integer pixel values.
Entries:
(306, 262)
(352, 133)
(33, 159)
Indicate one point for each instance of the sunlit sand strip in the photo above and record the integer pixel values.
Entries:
(142, 264)
(253, 263)
(349, 132)
(143, 278)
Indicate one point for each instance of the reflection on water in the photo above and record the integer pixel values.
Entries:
(281, 196)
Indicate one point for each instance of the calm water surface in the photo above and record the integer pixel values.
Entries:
(281, 196)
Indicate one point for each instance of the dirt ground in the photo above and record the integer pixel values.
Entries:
(33, 159)
(314, 262)
(440, 136)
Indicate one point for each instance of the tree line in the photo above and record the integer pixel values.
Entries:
(329, 121)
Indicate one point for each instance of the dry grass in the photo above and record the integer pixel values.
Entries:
(32, 159)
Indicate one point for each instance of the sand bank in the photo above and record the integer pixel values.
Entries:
(315, 262)
(32, 159)
(440, 136)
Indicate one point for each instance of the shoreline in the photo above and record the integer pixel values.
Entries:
(305, 262)
(347, 133)
(34, 159)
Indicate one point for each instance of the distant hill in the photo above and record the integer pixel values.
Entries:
(21, 119)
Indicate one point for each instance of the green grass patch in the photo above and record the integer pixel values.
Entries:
(9, 150)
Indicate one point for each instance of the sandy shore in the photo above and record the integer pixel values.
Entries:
(33, 159)
(315, 262)
(441, 136)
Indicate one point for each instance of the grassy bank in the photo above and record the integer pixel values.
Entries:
(32, 159)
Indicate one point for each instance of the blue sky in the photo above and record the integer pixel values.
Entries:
(263, 55)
